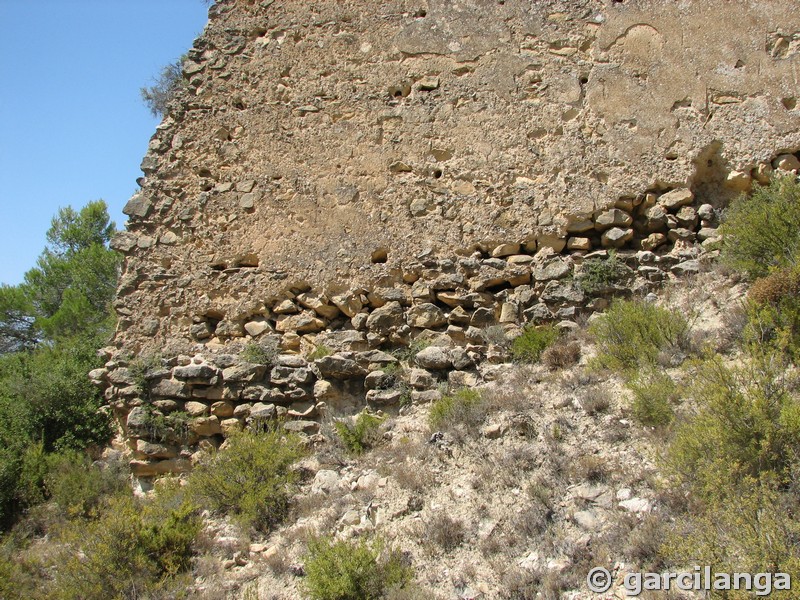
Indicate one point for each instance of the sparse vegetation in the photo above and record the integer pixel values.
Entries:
(320, 351)
(173, 428)
(140, 368)
(158, 96)
(654, 392)
(362, 434)
(261, 353)
(463, 407)
(632, 333)
(595, 401)
(359, 570)
(562, 355)
(529, 345)
(444, 532)
(407, 353)
(251, 479)
(602, 275)
(495, 334)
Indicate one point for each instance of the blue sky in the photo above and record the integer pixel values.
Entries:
(72, 125)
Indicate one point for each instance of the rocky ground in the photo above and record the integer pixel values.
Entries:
(554, 477)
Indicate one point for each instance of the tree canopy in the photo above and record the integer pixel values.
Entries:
(50, 328)
(69, 290)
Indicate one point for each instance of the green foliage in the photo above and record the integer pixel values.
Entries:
(463, 407)
(529, 345)
(16, 321)
(77, 486)
(601, 275)
(158, 96)
(263, 353)
(747, 426)
(320, 352)
(773, 313)
(129, 548)
(653, 394)
(47, 404)
(141, 368)
(632, 333)
(173, 428)
(75, 277)
(69, 291)
(754, 532)
(251, 479)
(362, 434)
(762, 231)
(360, 570)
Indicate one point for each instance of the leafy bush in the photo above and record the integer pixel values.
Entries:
(747, 426)
(158, 96)
(529, 345)
(77, 486)
(362, 434)
(173, 428)
(633, 333)
(601, 275)
(462, 407)
(250, 479)
(773, 313)
(653, 394)
(754, 532)
(263, 353)
(338, 570)
(129, 548)
(762, 232)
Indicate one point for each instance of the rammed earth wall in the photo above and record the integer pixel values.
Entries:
(355, 174)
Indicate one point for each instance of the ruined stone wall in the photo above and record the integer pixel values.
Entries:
(328, 146)
(362, 177)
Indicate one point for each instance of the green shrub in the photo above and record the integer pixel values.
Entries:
(263, 353)
(362, 434)
(360, 570)
(747, 425)
(762, 231)
(773, 313)
(754, 531)
(601, 275)
(173, 428)
(251, 479)
(463, 407)
(130, 548)
(140, 368)
(529, 345)
(320, 352)
(633, 333)
(77, 486)
(653, 394)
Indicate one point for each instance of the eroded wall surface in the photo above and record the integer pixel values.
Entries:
(333, 148)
